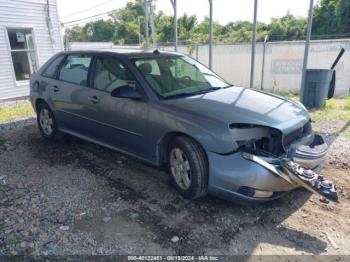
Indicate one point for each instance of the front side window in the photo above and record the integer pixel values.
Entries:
(75, 69)
(110, 74)
(22, 52)
(154, 67)
(178, 76)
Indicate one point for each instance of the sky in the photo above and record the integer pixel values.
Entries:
(224, 11)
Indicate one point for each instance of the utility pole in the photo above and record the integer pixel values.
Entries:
(210, 34)
(66, 40)
(145, 6)
(139, 24)
(306, 51)
(153, 28)
(173, 2)
(252, 63)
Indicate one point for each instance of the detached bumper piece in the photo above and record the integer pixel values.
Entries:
(310, 180)
(313, 155)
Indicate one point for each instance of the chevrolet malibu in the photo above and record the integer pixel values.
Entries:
(169, 110)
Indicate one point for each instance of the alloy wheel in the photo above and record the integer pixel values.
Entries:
(180, 168)
(46, 122)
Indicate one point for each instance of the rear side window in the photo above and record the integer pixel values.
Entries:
(75, 69)
(51, 69)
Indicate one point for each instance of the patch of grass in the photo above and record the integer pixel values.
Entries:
(330, 114)
(335, 109)
(16, 112)
(290, 95)
(338, 104)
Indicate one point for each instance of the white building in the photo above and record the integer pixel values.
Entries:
(29, 36)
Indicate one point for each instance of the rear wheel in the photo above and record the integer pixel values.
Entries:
(46, 122)
(188, 167)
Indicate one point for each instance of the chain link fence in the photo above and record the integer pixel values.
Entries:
(278, 64)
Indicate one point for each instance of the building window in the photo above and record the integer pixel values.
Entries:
(22, 52)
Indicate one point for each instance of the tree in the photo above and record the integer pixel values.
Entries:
(201, 31)
(287, 27)
(126, 22)
(101, 30)
(126, 26)
(238, 32)
(165, 28)
(76, 34)
(324, 18)
(343, 16)
(186, 25)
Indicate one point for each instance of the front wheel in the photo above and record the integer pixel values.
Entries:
(46, 122)
(188, 167)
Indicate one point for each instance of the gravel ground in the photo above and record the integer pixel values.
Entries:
(338, 135)
(73, 197)
(16, 102)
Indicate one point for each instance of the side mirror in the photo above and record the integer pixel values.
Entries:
(126, 91)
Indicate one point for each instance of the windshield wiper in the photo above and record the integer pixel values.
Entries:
(222, 87)
(193, 93)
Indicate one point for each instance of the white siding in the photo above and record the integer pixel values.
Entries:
(28, 14)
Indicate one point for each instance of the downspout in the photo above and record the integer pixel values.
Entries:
(49, 22)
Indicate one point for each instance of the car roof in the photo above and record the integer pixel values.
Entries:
(129, 53)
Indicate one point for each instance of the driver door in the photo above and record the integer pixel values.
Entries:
(120, 122)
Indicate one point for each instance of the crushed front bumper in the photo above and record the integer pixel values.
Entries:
(311, 156)
(243, 177)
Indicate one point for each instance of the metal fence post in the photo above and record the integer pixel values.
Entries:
(210, 34)
(153, 27)
(306, 51)
(252, 63)
(173, 2)
(145, 3)
(263, 63)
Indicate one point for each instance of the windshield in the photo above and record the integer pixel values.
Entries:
(175, 76)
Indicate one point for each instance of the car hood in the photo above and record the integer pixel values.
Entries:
(246, 106)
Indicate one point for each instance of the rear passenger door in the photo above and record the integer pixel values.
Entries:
(68, 94)
(120, 122)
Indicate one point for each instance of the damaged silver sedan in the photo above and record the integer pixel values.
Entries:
(169, 110)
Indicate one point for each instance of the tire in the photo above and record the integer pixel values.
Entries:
(188, 171)
(47, 122)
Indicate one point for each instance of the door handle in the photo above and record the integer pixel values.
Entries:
(93, 99)
(55, 89)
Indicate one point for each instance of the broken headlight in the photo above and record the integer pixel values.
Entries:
(259, 140)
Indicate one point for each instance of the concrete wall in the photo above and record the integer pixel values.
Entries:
(283, 63)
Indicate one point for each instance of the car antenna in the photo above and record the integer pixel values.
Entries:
(156, 51)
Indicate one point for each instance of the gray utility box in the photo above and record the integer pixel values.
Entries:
(319, 84)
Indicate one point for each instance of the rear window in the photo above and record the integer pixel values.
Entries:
(75, 69)
(51, 69)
